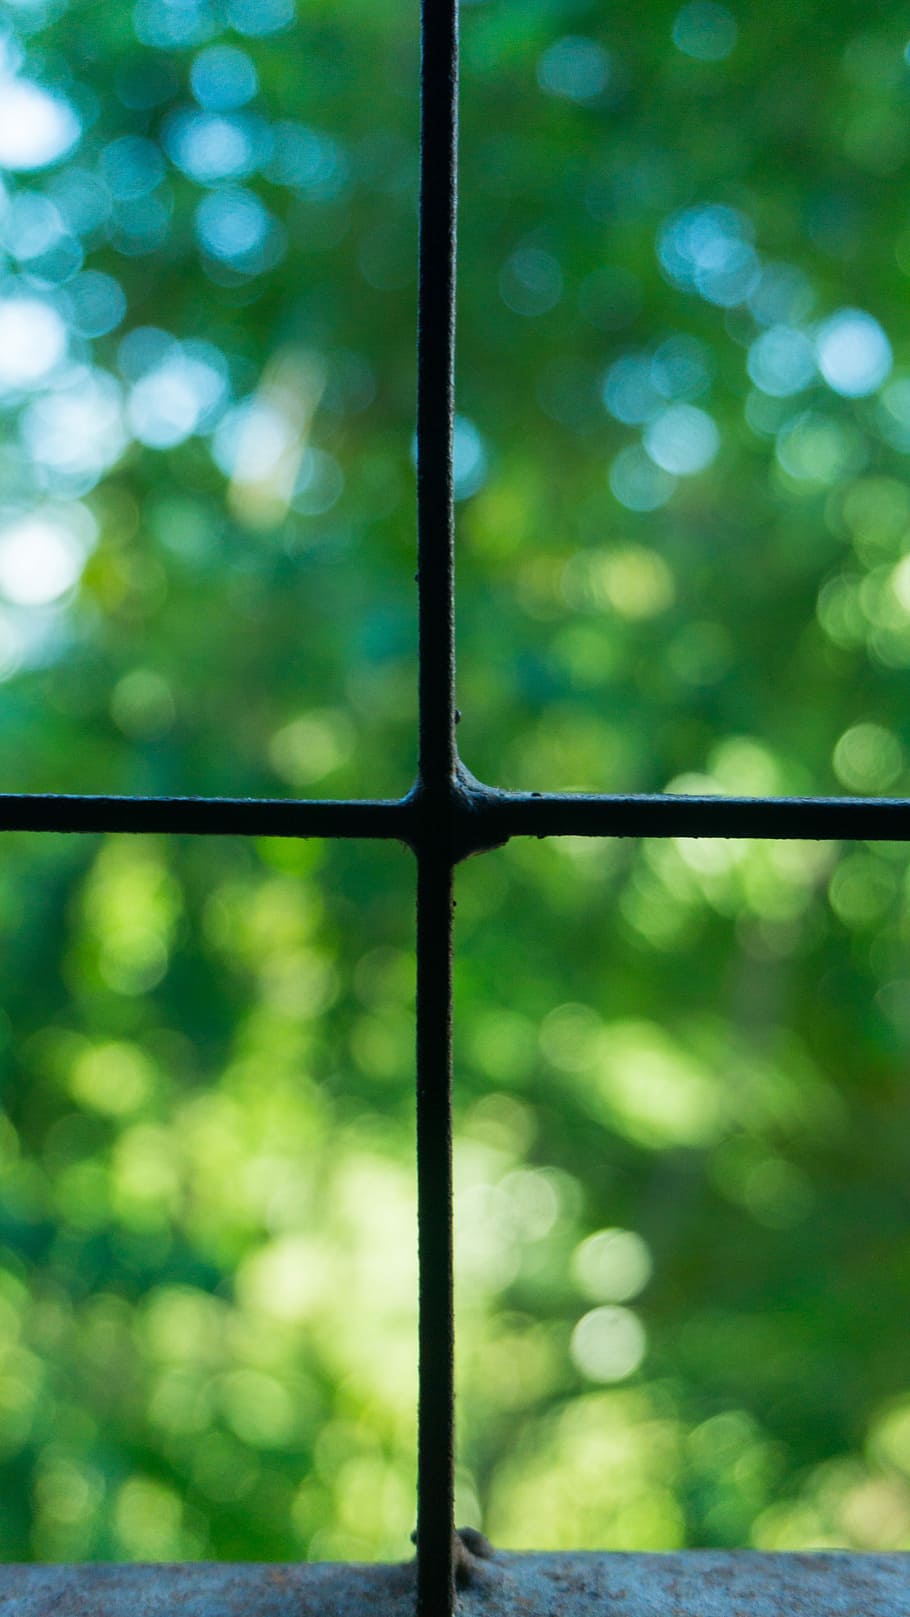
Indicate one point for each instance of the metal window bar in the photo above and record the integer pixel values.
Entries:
(448, 815)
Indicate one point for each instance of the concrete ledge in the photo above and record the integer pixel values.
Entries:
(697, 1583)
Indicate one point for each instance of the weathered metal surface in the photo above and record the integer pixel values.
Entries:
(699, 1583)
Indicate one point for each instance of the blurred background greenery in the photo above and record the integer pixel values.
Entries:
(684, 562)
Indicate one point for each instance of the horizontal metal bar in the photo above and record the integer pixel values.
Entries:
(480, 817)
(208, 816)
(487, 818)
(694, 1583)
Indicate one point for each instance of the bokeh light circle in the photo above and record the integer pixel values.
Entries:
(854, 354)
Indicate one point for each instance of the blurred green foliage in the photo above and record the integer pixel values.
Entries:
(684, 529)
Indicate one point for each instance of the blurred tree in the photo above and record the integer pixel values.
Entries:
(684, 529)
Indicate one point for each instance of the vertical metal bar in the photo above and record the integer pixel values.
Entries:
(436, 776)
(436, 1441)
(436, 390)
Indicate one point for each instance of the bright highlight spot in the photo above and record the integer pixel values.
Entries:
(637, 482)
(258, 18)
(97, 303)
(313, 162)
(629, 579)
(232, 225)
(209, 147)
(173, 400)
(223, 78)
(868, 758)
(612, 1265)
(781, 361)
(31, 226)
(708, 249)
(854, 354)
(312, 746)
(36, 128)
(78, 432)
(252, 440)
(651, 1088)
(42, 554)
(894, 413)
(630, 391)
(683, 440)
(32, 341)
(816, 449)
(114, 1079)
(608, 1344)
(469, 458)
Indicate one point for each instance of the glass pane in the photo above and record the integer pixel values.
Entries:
(684, 281)
(207, 308)
(208, 1289)
(681, 1170)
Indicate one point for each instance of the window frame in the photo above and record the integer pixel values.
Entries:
(448, 815)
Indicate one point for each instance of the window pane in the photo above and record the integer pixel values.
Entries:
(207, 308)
(681, 347)
(208, 1289)
(681, 1169)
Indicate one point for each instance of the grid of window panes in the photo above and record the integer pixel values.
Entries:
(678, 463)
